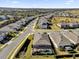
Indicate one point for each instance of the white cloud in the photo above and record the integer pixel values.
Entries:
(69, 1)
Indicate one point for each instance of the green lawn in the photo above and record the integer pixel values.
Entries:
(42, 57)
(1, 45)
(2, 21)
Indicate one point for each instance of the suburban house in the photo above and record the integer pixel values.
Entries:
(2, 17)
(65, 43)
(3, 35)
(42, 46)
(43, 23)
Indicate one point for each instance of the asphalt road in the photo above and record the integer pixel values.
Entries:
(13, 44)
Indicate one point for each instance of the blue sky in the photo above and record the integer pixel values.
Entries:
(40, 3)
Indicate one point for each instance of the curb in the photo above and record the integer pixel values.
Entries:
(3, 46)
(13, 53)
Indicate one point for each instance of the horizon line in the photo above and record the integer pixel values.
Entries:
(40, 8)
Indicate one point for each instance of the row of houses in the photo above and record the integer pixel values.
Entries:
(65, 14)
(14, 27)
(69, 25)
(65, 40)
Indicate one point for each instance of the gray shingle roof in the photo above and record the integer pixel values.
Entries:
(44, 40)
